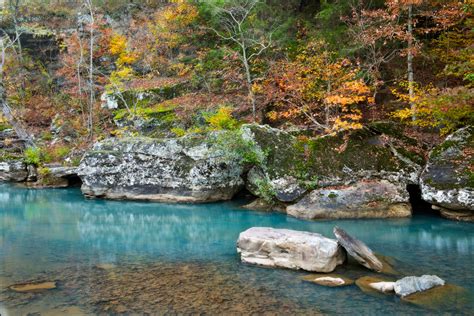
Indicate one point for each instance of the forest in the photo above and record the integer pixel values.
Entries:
(236, 157)
(74, 72)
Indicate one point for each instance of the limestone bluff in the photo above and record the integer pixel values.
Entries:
(361, 174)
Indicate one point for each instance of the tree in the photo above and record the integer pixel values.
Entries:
(238, 25)
(7, 44)
(316, 89)
(90, 121)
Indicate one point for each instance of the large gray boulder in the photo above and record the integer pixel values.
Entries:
(13, 170)
(362, 173)
(413, 284)
(187, 169)
(447, 181)
(379, 198)
(290, 249)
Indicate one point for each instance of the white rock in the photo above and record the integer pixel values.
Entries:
(384, 287)
(335, 281)
(289, 249)
(413, 284)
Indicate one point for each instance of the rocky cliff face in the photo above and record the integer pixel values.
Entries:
(447, 181)
(187, 169)
(360, 174)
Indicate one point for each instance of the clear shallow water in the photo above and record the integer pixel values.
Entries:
(111, 257)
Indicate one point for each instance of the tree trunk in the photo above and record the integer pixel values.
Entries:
(411, 91)
(248, 76)
(91, 73)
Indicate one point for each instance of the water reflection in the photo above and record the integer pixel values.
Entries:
(48, 230)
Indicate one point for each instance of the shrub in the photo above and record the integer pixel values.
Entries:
(32, 156)
(179, 132)
(234, 146)
(222, 119)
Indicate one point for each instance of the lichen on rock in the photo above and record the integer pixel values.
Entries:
(185, 169)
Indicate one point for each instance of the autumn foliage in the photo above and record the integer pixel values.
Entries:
(316, 89)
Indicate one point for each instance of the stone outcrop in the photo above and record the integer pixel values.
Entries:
(12, 167)
(356, 174)
(14, 171)
(412, 284)
(358, 250)
(187, 169)
(447, 181)
(289, 249)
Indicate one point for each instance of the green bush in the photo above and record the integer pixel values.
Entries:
(32, 156)
(222, 119)
(236, 147)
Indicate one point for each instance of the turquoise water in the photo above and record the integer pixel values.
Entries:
(93, 247)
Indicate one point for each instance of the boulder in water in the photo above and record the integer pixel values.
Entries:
(365, 199)
(358, 250)
(186, 169)
(290, 249)
(412, 284)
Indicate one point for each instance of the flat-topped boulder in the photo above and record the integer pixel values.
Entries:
(284, 248)
(186, 169)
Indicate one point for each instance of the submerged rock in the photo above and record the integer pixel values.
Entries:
(13, 170)
(290, 249)
(448, 297)
(447, 181)
(331, 280)
(379, 198)
(412, 284)
(358, 250)
(186, 169)
(374, 285)
(33, 287)
(383, 286)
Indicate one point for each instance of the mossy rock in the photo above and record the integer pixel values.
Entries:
(451, 163)
(448, 179)
(335, 156)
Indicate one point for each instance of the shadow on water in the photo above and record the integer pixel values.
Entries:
(114, 257)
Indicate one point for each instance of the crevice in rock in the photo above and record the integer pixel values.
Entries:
(74, 181)
(419, 206)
